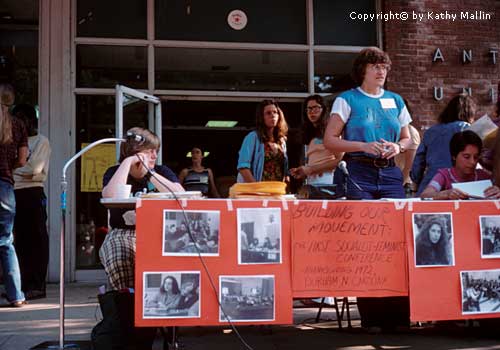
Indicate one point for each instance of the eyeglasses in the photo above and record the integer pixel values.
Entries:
(380, 67)
(314, 108)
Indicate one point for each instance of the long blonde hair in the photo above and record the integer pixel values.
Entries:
(6, 100)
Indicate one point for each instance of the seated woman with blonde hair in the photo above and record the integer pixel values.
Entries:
(465, 148)
(137, 168)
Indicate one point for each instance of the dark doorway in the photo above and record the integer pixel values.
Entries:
(184, 126)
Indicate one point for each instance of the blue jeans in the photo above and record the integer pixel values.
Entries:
(375, 183)
(8, 257)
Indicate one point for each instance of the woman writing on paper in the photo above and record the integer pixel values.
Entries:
(137, 168)
(465, 148)
(262, 155)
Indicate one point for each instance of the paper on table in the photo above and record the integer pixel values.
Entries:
(473, 188)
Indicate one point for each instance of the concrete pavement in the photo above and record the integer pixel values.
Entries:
(23, 328)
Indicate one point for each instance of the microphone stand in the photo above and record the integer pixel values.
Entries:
(64, 187)
(347, 177)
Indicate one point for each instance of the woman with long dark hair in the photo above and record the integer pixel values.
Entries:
(432, 245)
(168, 296)
(263, 155)
(13, 154)
(320, 163)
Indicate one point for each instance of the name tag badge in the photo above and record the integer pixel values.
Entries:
(387, 103)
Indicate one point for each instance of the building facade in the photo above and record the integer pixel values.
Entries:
(216, 60)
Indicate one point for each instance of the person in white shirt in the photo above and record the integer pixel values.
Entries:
(30, 223)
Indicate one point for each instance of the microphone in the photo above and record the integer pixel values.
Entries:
(343, 167)
(135, 137)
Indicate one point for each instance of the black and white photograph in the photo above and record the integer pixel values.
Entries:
(259, 235)
(480, 291)
(247, 298)
(174, 294)
(433, 240)
(490, 236)
(199, 233)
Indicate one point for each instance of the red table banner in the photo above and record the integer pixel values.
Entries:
(440, 292)
(348, 248)
(255, 291)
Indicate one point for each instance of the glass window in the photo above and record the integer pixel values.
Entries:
(233, 70)
(19, 63)
(106, 66)
(95, 119)
(111, 18)
(332, 71)
(334, 26)
(277, 21)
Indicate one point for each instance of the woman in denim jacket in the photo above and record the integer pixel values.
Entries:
(434, 151)
(263, 155)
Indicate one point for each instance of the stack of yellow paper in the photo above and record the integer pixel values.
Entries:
(264, 189)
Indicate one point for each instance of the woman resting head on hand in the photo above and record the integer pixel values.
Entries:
(465, 148)
(138, 167)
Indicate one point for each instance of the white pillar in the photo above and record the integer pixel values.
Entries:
(57, 121)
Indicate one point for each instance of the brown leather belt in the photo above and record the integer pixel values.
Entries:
(375, 162)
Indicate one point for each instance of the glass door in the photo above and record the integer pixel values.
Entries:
(98, 117)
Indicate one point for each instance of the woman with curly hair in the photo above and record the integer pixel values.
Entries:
(370, 124)
(263, 155)
(432, 244)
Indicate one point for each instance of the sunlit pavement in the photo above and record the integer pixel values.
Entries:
(38, 322)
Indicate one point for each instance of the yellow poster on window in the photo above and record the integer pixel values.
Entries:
(94, 163)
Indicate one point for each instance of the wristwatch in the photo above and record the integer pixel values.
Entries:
(401, 148)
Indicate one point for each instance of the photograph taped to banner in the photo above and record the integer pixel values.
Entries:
(171, 294)
(433, 239)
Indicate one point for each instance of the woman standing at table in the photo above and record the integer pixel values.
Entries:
(320, 163)
(373, 123)
(137, 168)
(262, 155)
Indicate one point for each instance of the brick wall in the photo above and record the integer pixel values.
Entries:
(411, 45)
